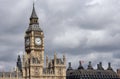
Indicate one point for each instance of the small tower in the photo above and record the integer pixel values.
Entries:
(19, 64)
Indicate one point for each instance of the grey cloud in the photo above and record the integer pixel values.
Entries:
(116, 55)
(102, 18)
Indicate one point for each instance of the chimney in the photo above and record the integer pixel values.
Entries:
(100, 64)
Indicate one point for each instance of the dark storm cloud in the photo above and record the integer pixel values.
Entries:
(88, 29)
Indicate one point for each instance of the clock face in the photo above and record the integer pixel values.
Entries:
(27, 41)
(37, 41)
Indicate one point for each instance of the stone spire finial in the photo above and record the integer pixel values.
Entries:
(51, 64)
(55, 57)
(64, 59)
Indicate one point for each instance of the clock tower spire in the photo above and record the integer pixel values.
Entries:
(34, 23)
(34, 15)
(33, 60)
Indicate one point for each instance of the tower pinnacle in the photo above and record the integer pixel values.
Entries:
(33, 15)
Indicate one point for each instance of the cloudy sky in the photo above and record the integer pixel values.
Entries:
(87, 30)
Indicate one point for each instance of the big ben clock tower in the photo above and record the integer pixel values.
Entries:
(34, 48)
(33, 59)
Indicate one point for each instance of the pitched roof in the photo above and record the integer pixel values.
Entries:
(91, 74)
